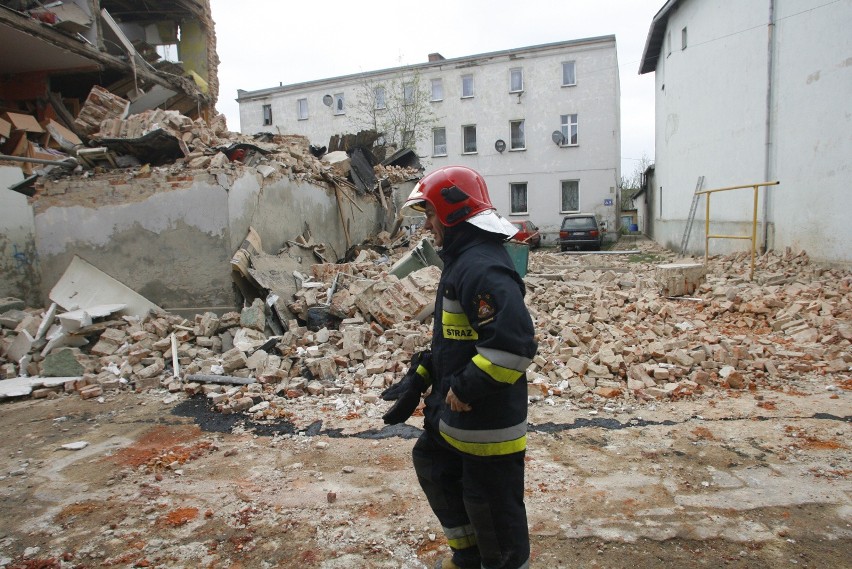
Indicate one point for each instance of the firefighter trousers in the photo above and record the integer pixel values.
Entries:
(479, 502)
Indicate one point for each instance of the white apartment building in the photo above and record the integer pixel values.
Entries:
(540, 123)
(752, 92)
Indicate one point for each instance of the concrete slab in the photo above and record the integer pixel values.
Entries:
(83, 285)
(23, 386)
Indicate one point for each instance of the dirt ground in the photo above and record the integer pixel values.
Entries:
(164, 482)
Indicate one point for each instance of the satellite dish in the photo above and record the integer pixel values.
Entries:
(557, 137)
(499, 146)
(327, 100)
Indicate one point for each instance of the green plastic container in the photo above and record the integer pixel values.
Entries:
(422, 255)
(520, 254)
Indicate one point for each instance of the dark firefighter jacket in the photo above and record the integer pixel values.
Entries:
(482, 343)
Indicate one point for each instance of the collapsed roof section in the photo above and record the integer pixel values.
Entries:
(155, 53)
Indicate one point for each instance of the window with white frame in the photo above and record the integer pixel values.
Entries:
(437, 90)
(683, 39)
(518, 193)
(518, 142)
(570, 196)
(408, 93)
(267, 115)
(668, 43)
(380, 98)
(516, 80)
(569, 130)
(339, 106)
(569, 73)
(408, 139)
(439, 141)
(469, 138)
(467, 86)
(302, 109)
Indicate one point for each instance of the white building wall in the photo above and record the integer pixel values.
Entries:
(711, 120)
(710, 117)
(595, 162)
(812, 134)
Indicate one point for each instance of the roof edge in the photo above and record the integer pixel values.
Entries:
(654, 41)
(245, 95)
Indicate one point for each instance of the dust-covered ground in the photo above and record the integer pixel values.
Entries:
(165, 482)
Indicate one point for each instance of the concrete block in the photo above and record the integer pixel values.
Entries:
(146, 383)
(12, 318)
(11, 303)
(207, 324)
(679, 279)
(66, 362)
(20, 347)
(254, 317)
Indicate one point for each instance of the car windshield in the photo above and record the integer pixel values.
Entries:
(579, 223)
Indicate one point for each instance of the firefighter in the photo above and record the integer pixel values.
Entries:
(470, 458)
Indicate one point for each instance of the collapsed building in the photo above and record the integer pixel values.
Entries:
(115, 155)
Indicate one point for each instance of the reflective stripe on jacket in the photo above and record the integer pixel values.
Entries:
(482, 343)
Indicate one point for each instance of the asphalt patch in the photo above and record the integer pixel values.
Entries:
(210, 420)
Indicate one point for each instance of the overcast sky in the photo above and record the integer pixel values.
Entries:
(262, 43)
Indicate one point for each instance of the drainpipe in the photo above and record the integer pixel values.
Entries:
(767, 167)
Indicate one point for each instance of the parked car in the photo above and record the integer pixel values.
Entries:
(580, 231)
(527, 233)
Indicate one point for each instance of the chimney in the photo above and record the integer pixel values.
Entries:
(436, 57)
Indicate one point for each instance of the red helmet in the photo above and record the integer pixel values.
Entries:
(456, 192)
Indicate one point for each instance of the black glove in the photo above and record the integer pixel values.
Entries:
(407, 391)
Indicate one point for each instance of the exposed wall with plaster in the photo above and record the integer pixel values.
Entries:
(19, 263)
(171, 238)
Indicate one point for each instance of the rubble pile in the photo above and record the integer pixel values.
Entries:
(607, 331)
(606, 334)
(168, 142)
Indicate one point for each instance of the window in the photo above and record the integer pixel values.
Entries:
(519, 197)
(469, 138)
(569, 76)
(339, 108)
(569, 130)
(439, 142)
(517, 132)
(267, 115)
(668, 43)
(467, 86)
(408, 93)
(380, 98)
(408, 139)
(437, 90)
(302, 109)
(516, 80)
(683, 39)
(570, 195)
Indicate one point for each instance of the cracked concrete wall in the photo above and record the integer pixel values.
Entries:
(171, 238)
(20, 274)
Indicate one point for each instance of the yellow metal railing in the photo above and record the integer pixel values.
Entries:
(752, 237)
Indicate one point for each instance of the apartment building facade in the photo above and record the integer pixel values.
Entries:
(541, 123)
